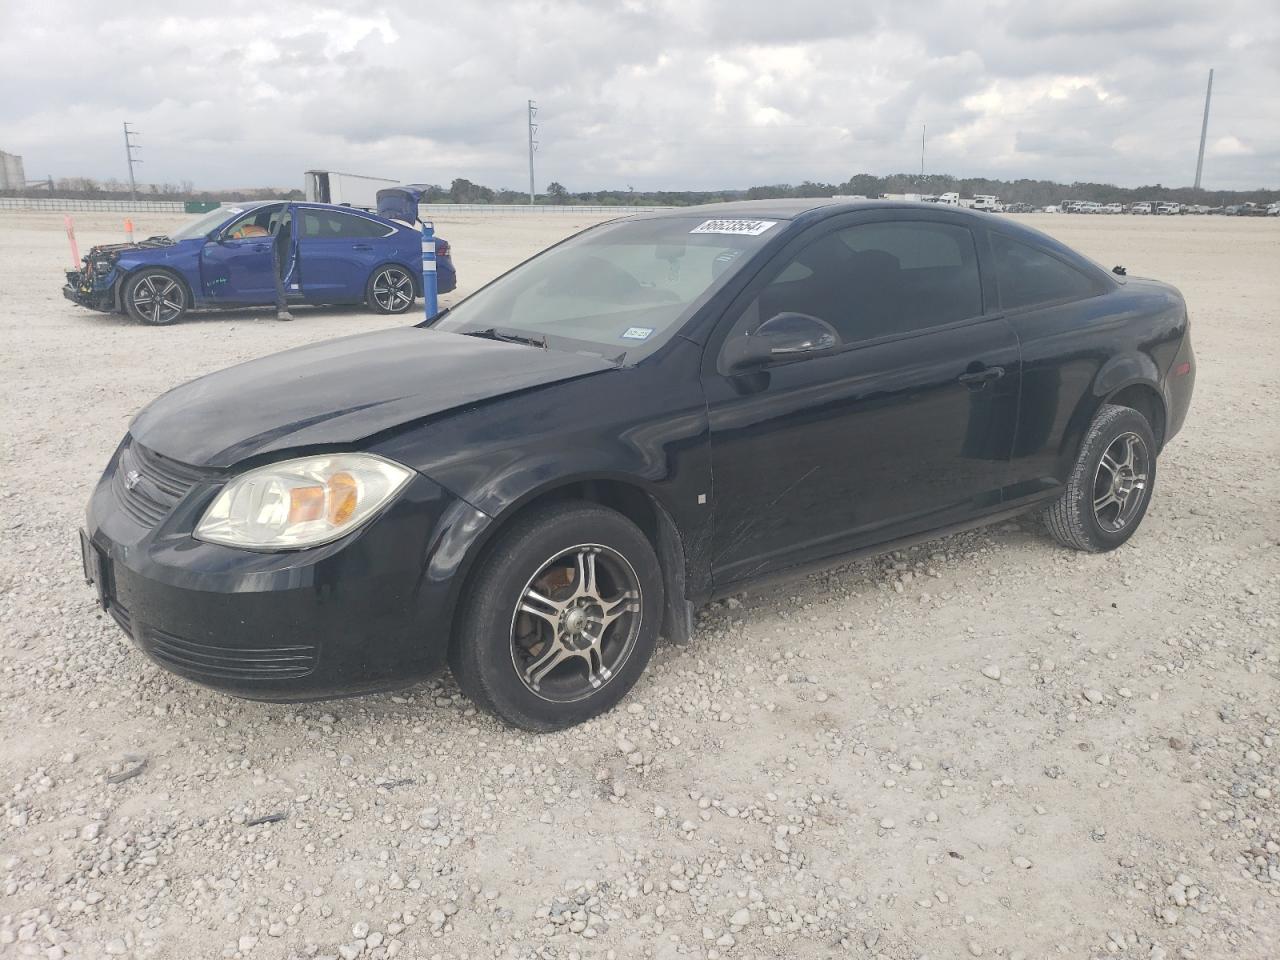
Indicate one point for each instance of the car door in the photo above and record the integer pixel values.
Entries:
(908, 426)
(235, 266)
(336, 253)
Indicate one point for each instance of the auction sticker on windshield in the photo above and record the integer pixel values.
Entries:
(637, 333)
(743, 228)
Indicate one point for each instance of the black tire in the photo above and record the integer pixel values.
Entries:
(390, 289)
(1073, 518)
(155, 297)
(494, 634)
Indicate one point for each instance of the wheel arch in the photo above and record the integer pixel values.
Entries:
(1143, 396)
(622, 494)
(126, 274)
(1128, 379)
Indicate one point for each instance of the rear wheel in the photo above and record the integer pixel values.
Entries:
(562, 618)
(1110, 486)
(155, 297)
(390, 290)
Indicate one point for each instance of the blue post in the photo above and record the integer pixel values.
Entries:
(429, 294)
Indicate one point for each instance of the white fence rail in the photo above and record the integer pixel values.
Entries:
(433, 209)
(530, 209)
(109, 206)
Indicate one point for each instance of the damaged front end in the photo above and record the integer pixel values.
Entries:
(96, 284)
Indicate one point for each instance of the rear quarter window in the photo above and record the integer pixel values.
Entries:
(332, 225)
(1028, 276)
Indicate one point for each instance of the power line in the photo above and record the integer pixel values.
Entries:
(129, 148)
(533, 145)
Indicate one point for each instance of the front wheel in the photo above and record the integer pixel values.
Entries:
(1110, 486)
(561, 619)
(390, 290)
(155, 297)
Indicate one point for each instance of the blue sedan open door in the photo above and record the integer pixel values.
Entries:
(236, 265)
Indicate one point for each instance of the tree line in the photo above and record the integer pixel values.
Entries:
(1038, 193)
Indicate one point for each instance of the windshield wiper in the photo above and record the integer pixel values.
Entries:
(493, 333)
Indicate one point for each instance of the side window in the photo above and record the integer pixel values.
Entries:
(258, 222)
(1028, 276)
(877, 279)
(353, 226)
(331, 225)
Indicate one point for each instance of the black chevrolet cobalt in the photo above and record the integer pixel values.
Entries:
(536, 484)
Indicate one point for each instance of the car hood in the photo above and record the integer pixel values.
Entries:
(342, 391)
(132, 248)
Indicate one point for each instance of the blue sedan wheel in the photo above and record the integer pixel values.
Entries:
(155, 297)
(390, 290)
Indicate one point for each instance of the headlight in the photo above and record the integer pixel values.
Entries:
(103, 267)
(301, 503)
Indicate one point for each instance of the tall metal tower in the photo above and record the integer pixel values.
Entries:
(1204, 128)
(129, 148)
(533, 145)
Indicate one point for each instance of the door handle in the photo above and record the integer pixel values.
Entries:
(260, 247)
(361, 246)
(980, 377)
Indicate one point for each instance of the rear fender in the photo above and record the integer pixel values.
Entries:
(1116, 374)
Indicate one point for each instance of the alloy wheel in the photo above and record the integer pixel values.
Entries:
(159, 298)
(1120, 483)
(393, 289)
(575, 623)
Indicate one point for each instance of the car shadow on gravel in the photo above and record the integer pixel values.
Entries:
(300, 313)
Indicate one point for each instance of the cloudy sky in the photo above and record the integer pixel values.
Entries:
(647, 93)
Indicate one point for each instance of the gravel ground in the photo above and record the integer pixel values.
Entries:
(985, 746)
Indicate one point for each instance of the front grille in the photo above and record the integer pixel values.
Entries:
(148, 485)
(229, 663)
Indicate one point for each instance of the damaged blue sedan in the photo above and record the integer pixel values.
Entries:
(250, 254)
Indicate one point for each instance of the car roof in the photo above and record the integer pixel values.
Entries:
(255, 204)
(819, 208)
(793, 209)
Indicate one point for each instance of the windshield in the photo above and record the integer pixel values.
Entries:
(201, 226)
(621, 288)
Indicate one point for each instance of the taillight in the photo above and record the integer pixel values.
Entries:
(442, 248)
(1182, 369)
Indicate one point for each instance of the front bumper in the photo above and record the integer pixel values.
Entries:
(95, 297)
(368, 612)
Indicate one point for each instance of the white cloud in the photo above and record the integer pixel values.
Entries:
(652, 93)
(1229, 147)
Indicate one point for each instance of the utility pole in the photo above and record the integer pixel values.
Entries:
(129, 148)
(533, 145)
(924, 127)
(1204, 128)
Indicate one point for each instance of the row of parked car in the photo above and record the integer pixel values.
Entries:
(1166, 208)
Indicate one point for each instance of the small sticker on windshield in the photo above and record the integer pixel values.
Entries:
(743, 228)
(637, 333)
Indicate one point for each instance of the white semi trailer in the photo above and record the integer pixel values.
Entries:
(348, 189)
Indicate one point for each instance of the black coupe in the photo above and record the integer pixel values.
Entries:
(534, 485)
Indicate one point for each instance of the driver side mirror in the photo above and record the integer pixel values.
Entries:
(784, 338)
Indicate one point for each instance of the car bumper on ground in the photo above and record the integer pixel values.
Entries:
(368, 612)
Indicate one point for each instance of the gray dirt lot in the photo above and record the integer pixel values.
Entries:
(827, 769)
